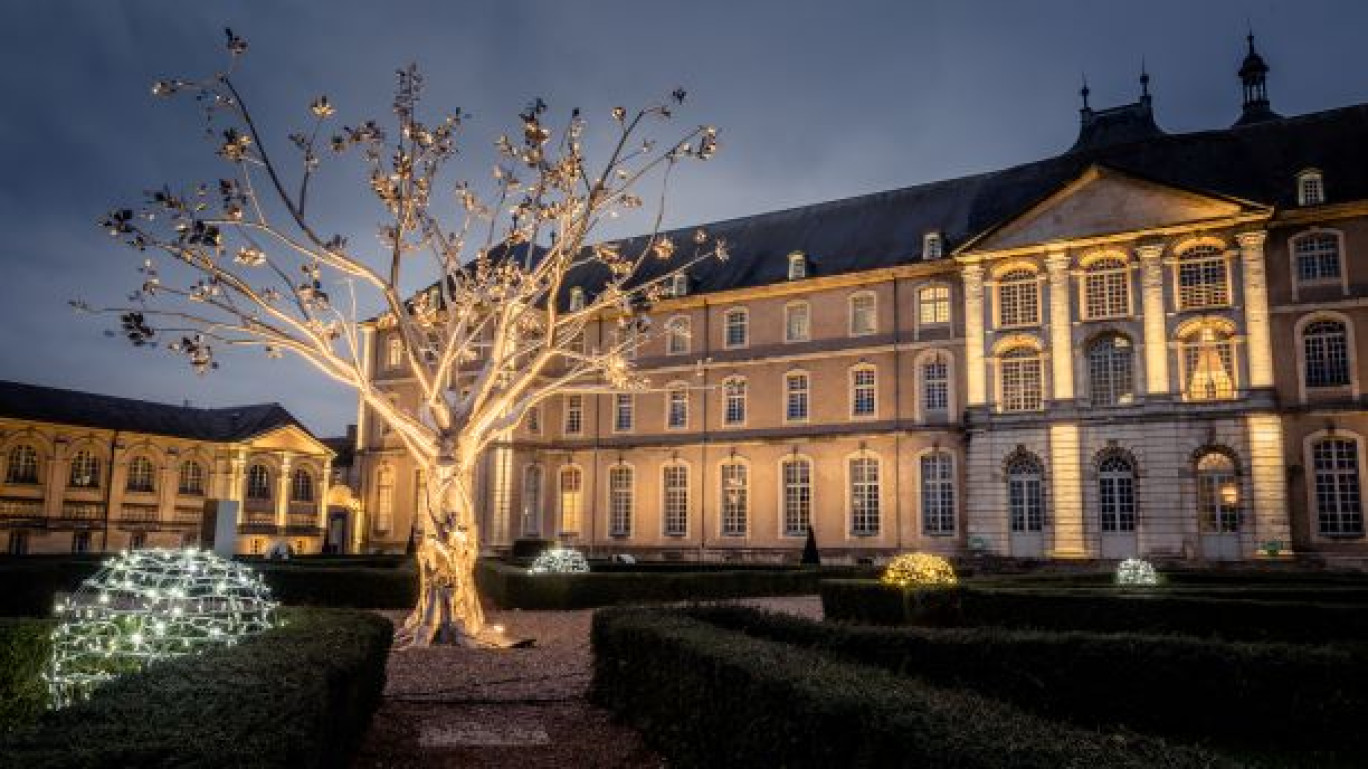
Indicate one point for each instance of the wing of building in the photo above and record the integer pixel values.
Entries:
(1145, 345)
(86, 472)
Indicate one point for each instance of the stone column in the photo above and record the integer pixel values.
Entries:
(973, 335)
(1255, 275)
(58, 469)
(1156, 326)
(1066, 487)
(282, 500)
(1268, 483)
(1061, 336)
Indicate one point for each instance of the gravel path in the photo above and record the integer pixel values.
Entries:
(523, 708)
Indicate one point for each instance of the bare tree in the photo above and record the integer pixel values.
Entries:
(518, 274)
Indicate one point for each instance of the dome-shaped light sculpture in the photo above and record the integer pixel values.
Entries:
(1134, 572)
(559, 560)
(149, 605)
(919, 570)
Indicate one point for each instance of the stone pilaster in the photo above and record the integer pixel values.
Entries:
(1066, 487)
(1061, 338)
(1255, 274)
(1156, 326)
(973, 334)
(1268, 482)
(282, 497)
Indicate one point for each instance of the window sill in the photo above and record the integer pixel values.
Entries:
(1340, 537)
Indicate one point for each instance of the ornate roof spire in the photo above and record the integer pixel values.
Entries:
(1144, 81)
(1084, 91)
(1254, 77)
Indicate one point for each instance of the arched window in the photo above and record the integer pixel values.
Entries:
(1325, 347)
(1116, 494)
(1106, 289)
(1022, 381)
(933, 305)
(141, 475)
(1339, 499)
(675, 488)
(259, 482)
(864, 317)
(677, 406)
(796, 474)
(1111, 371)
(531, 500)
(1202, 278)
(1025, 494)
(734, 401)
(864, 495)
(22, 466)
(1310, 188)
(384, 496)
(190, 478)
(571, 499)
(797, 322)
(1317, 256)
(1018, 299)
(621, 496)
(735, 489)
(938, 493)
(85, 471)
(736, 328)
(935, 383)
(1208, 364)
(677, 336)
(1218, 510)
(301, 486)
(797, 387)
(864, 391)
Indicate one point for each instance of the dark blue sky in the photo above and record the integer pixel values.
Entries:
(814, 100)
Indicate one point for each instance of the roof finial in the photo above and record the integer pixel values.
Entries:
(1084, 91)
(1144, 80)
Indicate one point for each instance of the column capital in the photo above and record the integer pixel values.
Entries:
(972, 272)
(1252, 240)
(1057, 261)
(1149, 252)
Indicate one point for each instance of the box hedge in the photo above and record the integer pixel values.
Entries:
(706, 696)
(300, 695)
(1277, 696)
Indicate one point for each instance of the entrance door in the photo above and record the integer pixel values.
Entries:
(1218, 507)
(1116, 507)
(1026, 506)
(336, 541)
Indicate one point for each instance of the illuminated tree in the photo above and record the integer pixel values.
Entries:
(241, 263)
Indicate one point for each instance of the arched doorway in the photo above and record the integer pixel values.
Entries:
(338, 534)
(1116, 513)
(1026, 505)
(1218, 506)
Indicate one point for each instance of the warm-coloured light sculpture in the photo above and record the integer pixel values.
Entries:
(915, 570)
(559, 560)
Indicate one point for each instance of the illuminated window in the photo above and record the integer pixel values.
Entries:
(677, 408)
(797, 322)
(22, 466)
(1018, 299)
(797, 477)
(259, 482)
(736, 325)
(938, 493)
(863, 314)
(932, 247)
(1111, 371)
(1339, 501)
(1217, 494)
(677, 336)
(1022, 383)
(1326, 349)
(1025, 494)
(620, 499)
(1318, 257)
(933, 305)
(676, 491)
(301, 486)
(576, 299)
(190, 478)
(796, 390)
(935, 383)
(1209, 365)
(1116, 494)
(1106, 289)
(864, 496)
(624, 412)
(863, 391)
(141, 475)
(85, 471)
(533, 419)
(574, 414)
(571, 499)
(797, 266)
(735, 481)
(1202, 278)
(679, 285)
(734, 397)
(384, 499)
(394, 352)
(1310, 188)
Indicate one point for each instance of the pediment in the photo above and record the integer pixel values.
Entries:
(1103, 201)
(289, 438)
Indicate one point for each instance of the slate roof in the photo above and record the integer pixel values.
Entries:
(71, 407)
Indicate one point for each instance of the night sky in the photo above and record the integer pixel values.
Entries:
(814, 101)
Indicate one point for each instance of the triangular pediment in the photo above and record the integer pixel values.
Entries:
(1103, 201)
(289, 438)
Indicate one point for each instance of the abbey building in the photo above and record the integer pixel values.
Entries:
(1146, 345)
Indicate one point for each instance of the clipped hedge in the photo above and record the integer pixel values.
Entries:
(25, 645)
(1112, 611)
(300, 695)
(1277, 696)
(511, 587)
(338, 587)
(33, 582)
(705, 696)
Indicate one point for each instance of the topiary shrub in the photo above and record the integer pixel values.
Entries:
(919, 570)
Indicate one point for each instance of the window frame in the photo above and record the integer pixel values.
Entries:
(805, 395)
(864, 509)
(1020, 355)
(573, 407)
(678, 329)
(668, 504)
(1316, 516)
(944, 302)
(806, 308)
(189, 483)
(671, 390)
(252, 490)
(1098, 278)
(146, 480)
(1187, 349)
(621, 502)
(624, 413)
(867, 313)
(804, 500)
(727, 528)
(1121, 348)
(925, 501)
(729, 324)
(1013, 278)
(23, 466)
(1026, 482)
(855, 390)
(735, 390)
(797, 266)
(1200, 256)
(1118, 510)
(564, 472)
(297, 475)
(96, 477)
(1309, 180)
(1294, 261)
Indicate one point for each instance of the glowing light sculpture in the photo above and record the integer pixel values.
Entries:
(559, 560)
(919, 570)
(1134, 572)
(148, 605)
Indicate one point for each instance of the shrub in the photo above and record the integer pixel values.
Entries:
(349, 588)
(706, 696)
(919, 570)
(24, 648)
(1276, 696)
(297, 695)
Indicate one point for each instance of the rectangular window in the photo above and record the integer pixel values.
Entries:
(1022, 388)
(737, 329)
(863, 315)
(938, 494)
(735, 499)
(796, 397)
(571, 499)
(676, 499)
(620, 493)
(863, 397)
(624, 412)
(1339, 501)
(1202, 282)
(531, 501)
(1209, 365)
(80, 542)
(734, 391)
(574, 414)
(797, 319)
(533, 419)
(936, 385)
(677, 417)
(1019, 300)
(384, 507)
(864, 496)
(1318, 258)
(394, 353)
(933, 305)
(1311, 190)
(797, 496)
(1106, 293)
(677, 337)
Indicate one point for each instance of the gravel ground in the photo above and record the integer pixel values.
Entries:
(522, 708)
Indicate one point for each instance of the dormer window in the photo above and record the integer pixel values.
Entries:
(1310, 188)
(679, 285)
(932, 247)
(797, 266)
(576, 299)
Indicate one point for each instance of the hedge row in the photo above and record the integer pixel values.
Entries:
(512, 587)
(25, 645)
(706, 696)
(300, 695)
(1277, 696)
(1105, 612)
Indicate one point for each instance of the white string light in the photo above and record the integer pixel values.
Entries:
(149, 605)
(1134, 571)
(559, 560)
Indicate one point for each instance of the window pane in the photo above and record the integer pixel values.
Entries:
(1326, 351)
(735, 499)
(1317, 257)
(1018, 299)
(1202, 278)
(676, 478)
(1339, 503)
(620, 493)
(938, 494)
(864, 496)
(797, 496)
